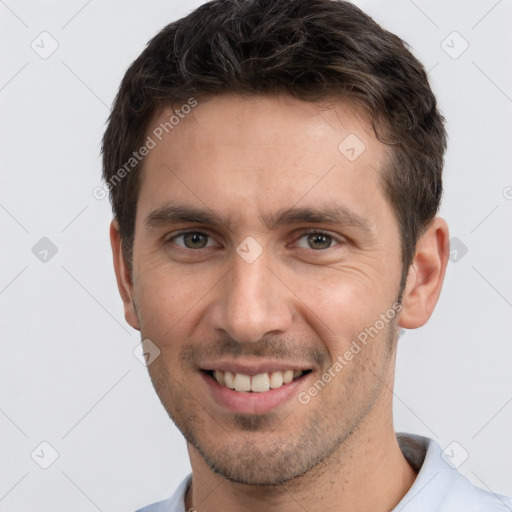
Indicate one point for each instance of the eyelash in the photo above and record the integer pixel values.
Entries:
(335, 240)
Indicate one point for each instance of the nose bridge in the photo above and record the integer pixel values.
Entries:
(253, 302)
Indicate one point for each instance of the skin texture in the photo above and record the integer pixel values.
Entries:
(301, 302)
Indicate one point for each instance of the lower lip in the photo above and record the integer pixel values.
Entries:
(243, 402)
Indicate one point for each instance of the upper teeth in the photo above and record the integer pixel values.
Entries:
(258, 383)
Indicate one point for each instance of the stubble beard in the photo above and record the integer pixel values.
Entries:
(257, 454)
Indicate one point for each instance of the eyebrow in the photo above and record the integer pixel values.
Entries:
(173, 214)
(323, 215)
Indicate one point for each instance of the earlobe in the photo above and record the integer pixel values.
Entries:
(123, 277)
(426, 275)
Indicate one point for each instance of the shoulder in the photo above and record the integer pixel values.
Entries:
(463, 496)
(176, 503)
(441, 487)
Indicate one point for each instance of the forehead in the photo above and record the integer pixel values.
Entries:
(247, 156)
(269, 121)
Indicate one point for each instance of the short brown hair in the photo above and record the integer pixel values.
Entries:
(313, 50)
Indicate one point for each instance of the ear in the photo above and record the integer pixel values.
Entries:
(123, 277)
(426, 275)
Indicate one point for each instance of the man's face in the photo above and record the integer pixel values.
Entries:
(263, 247)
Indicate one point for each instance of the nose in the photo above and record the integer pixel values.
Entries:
(252, 302)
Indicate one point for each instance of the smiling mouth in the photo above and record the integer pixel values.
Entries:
(255, 383)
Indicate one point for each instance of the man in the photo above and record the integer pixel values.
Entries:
(275, 173)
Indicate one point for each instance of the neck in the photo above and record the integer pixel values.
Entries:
(368, 472)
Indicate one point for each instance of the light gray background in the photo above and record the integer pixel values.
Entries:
(68, 373)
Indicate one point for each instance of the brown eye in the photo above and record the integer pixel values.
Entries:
(195, 240)
(319, 241)
(192, 240)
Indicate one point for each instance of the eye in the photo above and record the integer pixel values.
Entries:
(316, 240)
(192, 240)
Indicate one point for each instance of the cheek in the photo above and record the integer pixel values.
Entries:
(169, 299)
(342, 305)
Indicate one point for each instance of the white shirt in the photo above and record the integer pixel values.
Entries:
(437, 488)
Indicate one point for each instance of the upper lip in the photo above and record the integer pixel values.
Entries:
(253, 368)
